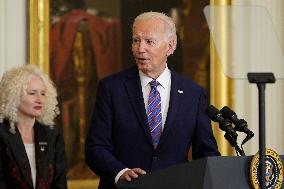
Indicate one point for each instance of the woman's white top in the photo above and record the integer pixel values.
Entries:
(30, 149)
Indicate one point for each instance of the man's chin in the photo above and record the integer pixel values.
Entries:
(142, 67)
(144, 70)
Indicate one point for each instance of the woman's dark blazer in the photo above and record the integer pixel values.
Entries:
(51, 166)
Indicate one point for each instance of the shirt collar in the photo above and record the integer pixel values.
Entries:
(163, 79)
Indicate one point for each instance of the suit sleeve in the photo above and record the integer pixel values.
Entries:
(204, 143)
(59, 180)
(99, 145)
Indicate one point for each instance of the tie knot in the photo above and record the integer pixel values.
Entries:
(154, 83)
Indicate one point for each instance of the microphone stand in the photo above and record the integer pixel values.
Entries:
(261, 79)
(234, 143)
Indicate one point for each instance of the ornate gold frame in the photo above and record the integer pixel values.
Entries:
(38, 33)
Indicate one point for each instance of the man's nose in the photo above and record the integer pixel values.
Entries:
(141, 47)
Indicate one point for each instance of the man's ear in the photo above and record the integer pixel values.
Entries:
(171, 47)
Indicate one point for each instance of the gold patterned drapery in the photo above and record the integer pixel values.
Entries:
(221, 87)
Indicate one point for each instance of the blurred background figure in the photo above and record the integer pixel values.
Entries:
(85, 46)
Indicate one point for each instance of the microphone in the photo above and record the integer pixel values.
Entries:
(240, 124)
(224, 124)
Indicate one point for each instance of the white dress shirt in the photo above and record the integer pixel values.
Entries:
(30, 150)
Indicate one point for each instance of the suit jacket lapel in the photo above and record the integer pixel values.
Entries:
(41, 149)
(20, 155)
(173, 105)
(134, 91)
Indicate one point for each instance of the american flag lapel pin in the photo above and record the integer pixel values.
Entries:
(180, 91)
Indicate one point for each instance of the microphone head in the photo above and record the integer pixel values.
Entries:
(224, 124)
(227, 112)
(213, 113)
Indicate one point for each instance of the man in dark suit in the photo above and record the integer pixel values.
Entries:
(146, 118)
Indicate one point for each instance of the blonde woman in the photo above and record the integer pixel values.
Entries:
(32, 153)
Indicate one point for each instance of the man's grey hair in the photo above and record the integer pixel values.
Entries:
(169, 24)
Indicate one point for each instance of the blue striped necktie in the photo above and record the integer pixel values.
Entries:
(154, 113)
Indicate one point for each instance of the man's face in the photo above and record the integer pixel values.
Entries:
(150, 46)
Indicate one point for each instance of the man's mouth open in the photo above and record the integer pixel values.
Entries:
(142, 60)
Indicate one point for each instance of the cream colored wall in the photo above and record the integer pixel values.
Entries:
(12, 33)
(246, 95)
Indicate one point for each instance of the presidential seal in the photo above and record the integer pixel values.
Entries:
(273, 170)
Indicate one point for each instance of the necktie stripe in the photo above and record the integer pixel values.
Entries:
(153, 100)
(156, 108)
(156, 136)
(154, 113)
(156, 126)
(152, 121)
